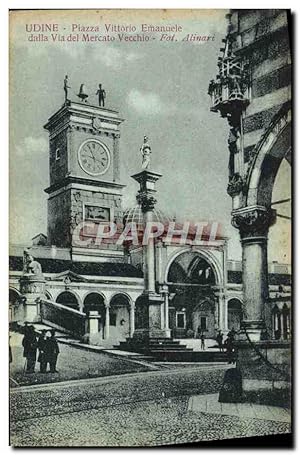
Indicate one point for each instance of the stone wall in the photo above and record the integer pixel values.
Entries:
(262, 37)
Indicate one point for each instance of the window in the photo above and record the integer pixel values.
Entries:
(57, 154)
(113, 319)
(203, 324)
(180, 320)
(96, 213)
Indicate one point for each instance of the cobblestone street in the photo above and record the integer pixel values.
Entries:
(72, 364)
(147, 409)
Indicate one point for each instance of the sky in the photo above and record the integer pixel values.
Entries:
(158, 87)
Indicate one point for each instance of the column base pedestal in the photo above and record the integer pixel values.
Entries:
(262, 374)
(31, 312)
(32, 287)
(149, 318)
(144, 335)
(252, 329)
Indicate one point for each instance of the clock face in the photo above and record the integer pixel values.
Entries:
(94, 157)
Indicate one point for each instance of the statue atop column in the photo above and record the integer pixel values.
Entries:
(101, 95)
(146, 152)
(66, 87)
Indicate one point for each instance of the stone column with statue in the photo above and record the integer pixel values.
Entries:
(32, 287)
(151, 301)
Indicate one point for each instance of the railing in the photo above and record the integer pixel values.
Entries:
(62, 317)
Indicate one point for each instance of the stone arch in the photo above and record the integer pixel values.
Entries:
(94, 301)
(274, 146)
(203, 318)
(207, 304)
(14, 296)
(123, 294)
(206, 255)
(119, 315)
(48, 295)
(15, 305)
(69, 299)
(235, 313)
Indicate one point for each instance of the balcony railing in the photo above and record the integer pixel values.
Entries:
(230, 91)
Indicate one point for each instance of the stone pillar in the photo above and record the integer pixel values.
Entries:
(165, 292)
(32, 287)
(221, 312)
(149, 253)
(253, 224)
(116, 157)
(282, 326)
(107, 323)
(132, 319)
(93, 326)
(166, 311)
(154, 326)
(226, 315)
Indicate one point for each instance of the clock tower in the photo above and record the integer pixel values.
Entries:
(84, 165)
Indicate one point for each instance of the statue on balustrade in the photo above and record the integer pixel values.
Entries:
(30, 265)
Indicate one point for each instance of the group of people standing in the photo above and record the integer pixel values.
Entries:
(228, 344)
(45, 344)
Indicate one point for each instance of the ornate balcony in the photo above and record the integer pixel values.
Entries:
(230, 91)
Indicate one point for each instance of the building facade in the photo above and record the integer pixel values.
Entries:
(252, 91)
(190, 288)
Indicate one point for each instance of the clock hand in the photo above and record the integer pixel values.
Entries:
(91, 151)
(90, 156)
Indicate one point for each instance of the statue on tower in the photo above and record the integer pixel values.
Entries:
(82, 93)
(66, 87)
(146, 152)
(101, 95)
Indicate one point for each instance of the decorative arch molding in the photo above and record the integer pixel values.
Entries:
(205, 301)
(49, 296)
(241, 302)
(207, 255)
(274, 146)
(74, 293)
(233, 297)
(15, 291)
(11, 288)
(123, 294)
(101, 294)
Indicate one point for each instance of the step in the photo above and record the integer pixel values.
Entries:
(153, 351)
(164, 342)
(166, 345)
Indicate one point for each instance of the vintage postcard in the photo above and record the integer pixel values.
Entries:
(150, 227)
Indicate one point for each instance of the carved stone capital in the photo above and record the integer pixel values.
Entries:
(146, 201)
(253, 221)
(235, 185)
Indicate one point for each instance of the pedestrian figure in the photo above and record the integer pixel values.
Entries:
(52, 351)
(202, 338)
(229, 348)
(231, 334)
(42, 358)
(219, 340)
(29, 344)
(101, 95)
